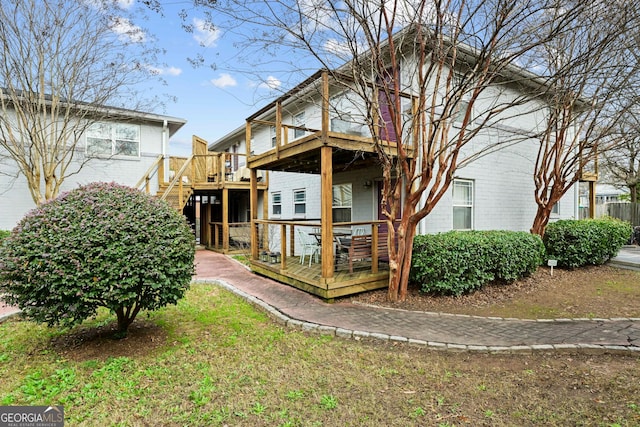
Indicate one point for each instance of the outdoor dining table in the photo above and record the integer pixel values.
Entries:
(342, 235)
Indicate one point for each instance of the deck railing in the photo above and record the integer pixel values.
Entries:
(237, 236)
(281, 238)
(156, 168)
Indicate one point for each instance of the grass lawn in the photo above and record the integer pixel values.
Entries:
(215, 360)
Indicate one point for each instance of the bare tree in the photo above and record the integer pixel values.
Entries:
(62, 63)
(588, 69)
(621, 164)
(432, 76)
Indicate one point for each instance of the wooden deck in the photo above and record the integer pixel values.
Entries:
(309, 279)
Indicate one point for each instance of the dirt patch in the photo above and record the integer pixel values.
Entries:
(99, 343)
(595, 291)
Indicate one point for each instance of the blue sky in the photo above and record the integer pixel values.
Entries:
(214, 102)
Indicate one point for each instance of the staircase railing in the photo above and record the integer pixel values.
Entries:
(156, 168)
(177, 179)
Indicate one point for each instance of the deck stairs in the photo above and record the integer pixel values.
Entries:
(172, 196)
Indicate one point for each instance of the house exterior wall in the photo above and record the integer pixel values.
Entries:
(503, 187)
(16, 201)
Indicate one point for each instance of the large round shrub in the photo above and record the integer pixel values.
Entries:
(101, 245)
(575, 243)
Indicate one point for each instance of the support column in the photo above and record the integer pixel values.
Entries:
(253, 202)
(326, 211)
(592, 199)
(326, 186)
(225, 220)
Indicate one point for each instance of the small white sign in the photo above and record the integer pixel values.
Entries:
(552, 262)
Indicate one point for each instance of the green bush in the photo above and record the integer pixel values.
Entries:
(575, 243)
(4, 234)
(101, 245)
(461, 261)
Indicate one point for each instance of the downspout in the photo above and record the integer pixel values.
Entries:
(165, 159)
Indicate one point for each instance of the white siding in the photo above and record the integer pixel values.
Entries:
(16, 201)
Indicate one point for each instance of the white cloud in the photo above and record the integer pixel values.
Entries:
(338, 48)
(168, 71)
(125, 4)
(205, 33)
(224, 80)
(127, 31)
(271, 83)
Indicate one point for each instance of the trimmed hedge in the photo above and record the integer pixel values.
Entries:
(575, 243)
(101, 245)
(4, 234)
(457, 262)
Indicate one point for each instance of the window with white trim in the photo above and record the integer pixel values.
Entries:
(276, 203)
(272, 133)
(299, 202)
(342, 202)
(462, 204)
(113, 139)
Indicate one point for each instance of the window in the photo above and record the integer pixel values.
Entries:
(342, 203)
(109, 139)
(462, 204)
(272, 132)
(463, 106)
(299, 202)
(461, 83)
(555, 210)
(298, 120)
(276, 203)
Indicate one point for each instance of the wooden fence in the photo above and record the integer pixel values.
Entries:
(625, 211)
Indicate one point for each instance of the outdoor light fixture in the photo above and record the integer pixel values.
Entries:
(366, 184)
(274, 257)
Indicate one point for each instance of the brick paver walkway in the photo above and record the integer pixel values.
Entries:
(297, 308)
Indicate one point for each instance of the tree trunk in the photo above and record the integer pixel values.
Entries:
(400, 265)
(541, 220)
(633, 193)
(126, 316)
(405, 261)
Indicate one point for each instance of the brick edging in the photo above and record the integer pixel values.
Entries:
(287, 321)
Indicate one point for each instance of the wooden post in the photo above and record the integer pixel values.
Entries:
(325, 108)
(592, 199)
(225, 219)
(160, 172)
(374, 248)
(292, 240)
(283, 246)
(265, 215)
(205, 227)
(326, 186)
(253, 203)
(247, 138)
(278, 128)
(326, 212)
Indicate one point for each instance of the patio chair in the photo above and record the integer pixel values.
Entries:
(309, 246)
